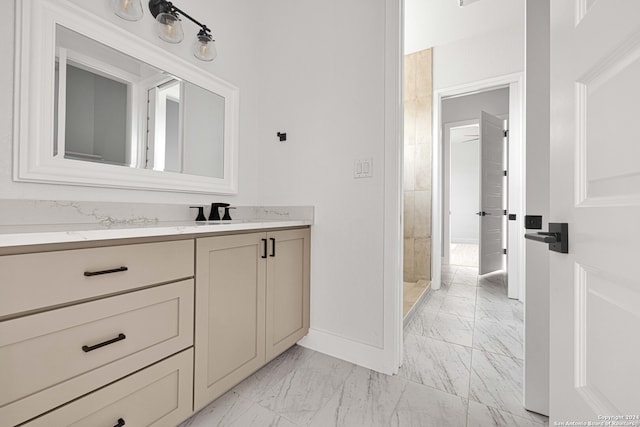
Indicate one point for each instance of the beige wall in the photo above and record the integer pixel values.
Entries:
(417, 165)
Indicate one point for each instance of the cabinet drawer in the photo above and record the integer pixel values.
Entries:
(49, 358)
(38, 280)
(159, 395)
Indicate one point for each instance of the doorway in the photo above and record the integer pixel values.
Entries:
(474, 179)
(459, 107)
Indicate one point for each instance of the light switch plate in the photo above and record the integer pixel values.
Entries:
(363, 168)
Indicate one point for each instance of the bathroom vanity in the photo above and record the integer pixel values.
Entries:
(144, 325)
(135, 322)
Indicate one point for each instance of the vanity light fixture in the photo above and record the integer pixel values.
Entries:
(131, 10)
(169, 28)
(204, 48)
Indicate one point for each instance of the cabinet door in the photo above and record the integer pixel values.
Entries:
(230, 292)
(287, 289)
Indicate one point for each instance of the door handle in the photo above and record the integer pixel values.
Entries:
(543, 236)
(557, 237)
(482, 213)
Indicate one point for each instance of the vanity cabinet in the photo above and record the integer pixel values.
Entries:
(252, 304)
(144, 332)
(73, 321)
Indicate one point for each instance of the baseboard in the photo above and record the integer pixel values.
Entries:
(361, 354)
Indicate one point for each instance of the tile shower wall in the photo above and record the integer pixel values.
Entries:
(418, 91)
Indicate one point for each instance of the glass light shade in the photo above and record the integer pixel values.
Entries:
(131, 10)
(169, 28)
(204, 49)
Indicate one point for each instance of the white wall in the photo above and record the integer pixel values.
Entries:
(432, 23)
(469, 107)
(323, 84)
(472, 43)
(465, 191)
(494, 54)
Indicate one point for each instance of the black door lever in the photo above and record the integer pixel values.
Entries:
(543, 236)
(481, 213)
(557, 237)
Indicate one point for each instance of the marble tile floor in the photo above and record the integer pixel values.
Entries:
(462, 367)
(464, 254)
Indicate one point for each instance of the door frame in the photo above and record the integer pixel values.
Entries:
(515, 179)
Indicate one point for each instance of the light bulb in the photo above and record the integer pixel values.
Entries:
(204, 48)
(131, 10)
(169, 28)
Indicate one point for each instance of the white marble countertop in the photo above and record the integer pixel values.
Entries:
(21, 235)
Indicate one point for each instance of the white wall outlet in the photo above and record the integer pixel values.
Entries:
(363, 168)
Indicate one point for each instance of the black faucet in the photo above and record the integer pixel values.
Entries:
(214, 215)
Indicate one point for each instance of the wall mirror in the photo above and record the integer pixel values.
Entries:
(98, 106)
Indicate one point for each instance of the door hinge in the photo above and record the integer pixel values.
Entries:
(504, 212)
(506, 133)
(504, 251)
(505, 173)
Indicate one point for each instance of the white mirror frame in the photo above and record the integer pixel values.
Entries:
(34, 161)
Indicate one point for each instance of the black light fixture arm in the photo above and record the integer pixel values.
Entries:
(157, 7)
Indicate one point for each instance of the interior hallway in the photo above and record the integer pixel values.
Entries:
(462, 367)
(467, 340)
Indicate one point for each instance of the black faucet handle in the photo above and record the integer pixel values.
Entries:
(200, 216)
(214, 215)
(226, 216)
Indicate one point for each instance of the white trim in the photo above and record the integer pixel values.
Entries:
(516, 190)
(60, 148)
(361, 354)
(515, 82)
(393, 227)
(36, 22)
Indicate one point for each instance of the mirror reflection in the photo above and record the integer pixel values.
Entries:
(114, 109)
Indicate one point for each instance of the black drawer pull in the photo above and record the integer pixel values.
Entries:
(120, 422)
(264, 247)
(88, 348)
(97, 273)
(273, 246)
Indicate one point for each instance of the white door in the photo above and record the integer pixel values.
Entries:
(491, 193)
(595, 188)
